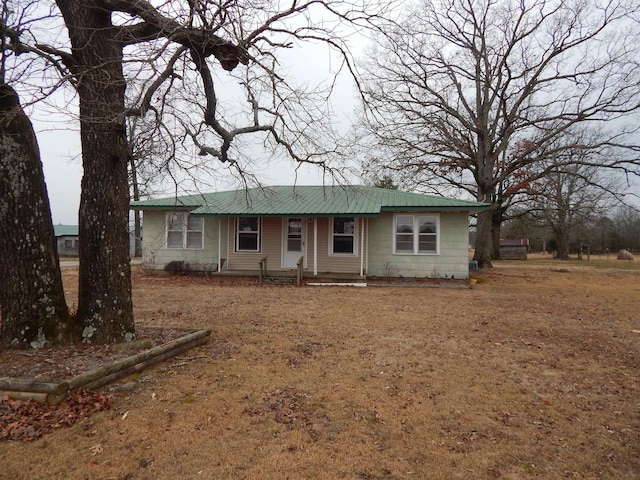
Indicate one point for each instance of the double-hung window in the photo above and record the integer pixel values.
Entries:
(184, 231)
(248, 234)
(343, 236)
(416, 234)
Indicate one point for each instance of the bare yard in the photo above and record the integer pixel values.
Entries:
(533, 373)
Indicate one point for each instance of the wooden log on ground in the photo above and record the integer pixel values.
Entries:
(50, 398)
(31, 385)
(125, 372)
(56, 398)
(16, 395)
(170, 348)
(53, 393)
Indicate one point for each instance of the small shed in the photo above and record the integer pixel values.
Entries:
(67, 240)
(514, 248)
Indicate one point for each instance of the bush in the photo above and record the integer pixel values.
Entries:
(176, 267)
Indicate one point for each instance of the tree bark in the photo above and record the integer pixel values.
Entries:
(486, 160)
(484, 221)
(484, 239)
(562, 243)
(32, 303)
(496, 225)
(104, 305)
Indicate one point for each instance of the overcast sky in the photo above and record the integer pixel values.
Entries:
(60, 152)
(59, 143)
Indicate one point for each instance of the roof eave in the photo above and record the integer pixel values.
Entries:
(461, 208)
(289, 214)
(181, 208)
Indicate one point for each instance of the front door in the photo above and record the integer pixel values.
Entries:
(293, 241)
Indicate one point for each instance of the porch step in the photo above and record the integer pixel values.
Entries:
(280, 280)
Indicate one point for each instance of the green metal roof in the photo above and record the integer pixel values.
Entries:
(65, 230)
(311, 201)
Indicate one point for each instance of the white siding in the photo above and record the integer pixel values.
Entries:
(451, 261)
(155, 254)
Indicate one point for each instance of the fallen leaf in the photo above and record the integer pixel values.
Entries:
(96, 449)
(27, 420)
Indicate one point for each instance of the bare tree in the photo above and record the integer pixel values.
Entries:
(162, 52)
(152, 152)
(626, 228)
(573, 196)
(468, 95)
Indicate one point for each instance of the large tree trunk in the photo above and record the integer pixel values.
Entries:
(484, 240)
(562, 243)
(484, 233)
(32, 304)
(496, 225)
(104, 304)
(485, 193)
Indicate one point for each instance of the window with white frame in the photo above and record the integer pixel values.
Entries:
(185, 231)
(248, 234)
(416, 234)
(343, 236)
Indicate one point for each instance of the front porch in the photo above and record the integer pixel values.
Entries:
(287, 276)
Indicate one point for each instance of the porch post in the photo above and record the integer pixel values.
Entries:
(366, 223)
(219, 243)
(315, 246)
(362, 250)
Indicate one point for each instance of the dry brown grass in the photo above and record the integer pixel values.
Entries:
(533, 373)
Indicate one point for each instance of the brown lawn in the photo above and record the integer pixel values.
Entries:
(533, 373)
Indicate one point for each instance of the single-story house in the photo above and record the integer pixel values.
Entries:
(341, 230)
(67, 240)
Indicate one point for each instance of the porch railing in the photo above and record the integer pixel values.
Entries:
(263, 268)
(299, 268)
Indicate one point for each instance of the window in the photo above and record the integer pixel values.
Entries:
(416, 234)
(184, 231)
(343, 236)
(248, 234)
(294, 235)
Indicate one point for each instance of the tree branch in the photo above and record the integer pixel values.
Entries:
(154, 25)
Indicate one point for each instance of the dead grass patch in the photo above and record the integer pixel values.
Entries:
(532, 373)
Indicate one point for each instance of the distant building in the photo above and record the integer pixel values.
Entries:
(67, 240)
(514, 248)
